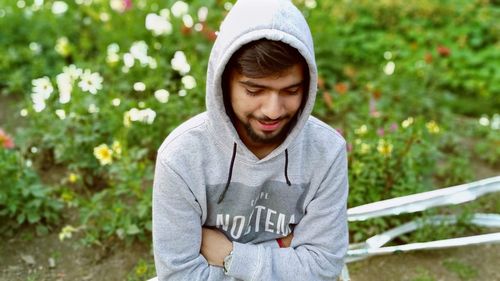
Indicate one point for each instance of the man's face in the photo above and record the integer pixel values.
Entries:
(265, 106)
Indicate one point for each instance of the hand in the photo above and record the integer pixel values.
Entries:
(287, 241)
(215, 246)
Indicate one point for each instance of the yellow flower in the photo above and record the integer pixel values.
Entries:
(72, 177)
(361, 130)
(63, 47)
(384, 148)
(103, 154)
(406, 123)
(117, 147)
(66, 232)
(141, 269)
(432, 127)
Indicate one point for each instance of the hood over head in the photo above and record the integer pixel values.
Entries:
(247, 21)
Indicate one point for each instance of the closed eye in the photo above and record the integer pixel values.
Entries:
(253, 92)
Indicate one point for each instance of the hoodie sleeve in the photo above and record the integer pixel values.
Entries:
(177, 230)
(320, 239)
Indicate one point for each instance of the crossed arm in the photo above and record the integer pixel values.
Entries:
(215, 246)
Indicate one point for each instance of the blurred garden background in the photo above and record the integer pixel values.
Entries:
(90, 88)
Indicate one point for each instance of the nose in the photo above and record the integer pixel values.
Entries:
(272, 106)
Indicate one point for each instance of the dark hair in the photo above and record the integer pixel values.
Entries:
(263, 58)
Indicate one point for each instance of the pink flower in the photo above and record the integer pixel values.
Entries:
(6, 140)
(380, 132)
(394, 127)
(127, 4)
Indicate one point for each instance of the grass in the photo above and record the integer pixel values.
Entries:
(464, 271)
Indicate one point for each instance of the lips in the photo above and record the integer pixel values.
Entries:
(269, 126)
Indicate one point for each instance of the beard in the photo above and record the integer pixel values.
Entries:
(271, 137)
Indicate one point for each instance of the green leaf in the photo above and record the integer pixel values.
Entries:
(133, 229)
(33, 217)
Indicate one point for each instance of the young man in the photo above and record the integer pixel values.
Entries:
(255, 188)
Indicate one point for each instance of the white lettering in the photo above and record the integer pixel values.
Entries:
(240, 228)
(221, 223)
(280, 225)
(257, 219)
(268, 220)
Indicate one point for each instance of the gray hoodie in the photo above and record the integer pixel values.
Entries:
(300, 187)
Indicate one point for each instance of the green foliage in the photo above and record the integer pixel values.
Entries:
(393, 76)
(23, 198)
(143, 270)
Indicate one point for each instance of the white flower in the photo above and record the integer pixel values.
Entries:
(310, 4)
(139, 87)
(112, 58)
(38, 102)
(188, 21)
(189, 82)
(202, 14)
(93, 108)
(182, 93)
(148, 115)
(23, 112)
(65, 86)
(162, 95)
(158, 25)
(139, 51)
(61, 114)
(104, 17)
(59, 7)
(165, 13)
(152, 63)
(198, 27)
(495, 122)
(35, 47)
(407, 122)
(128, 60)
(116, 102)
(484, 121)
(73, 71)
(113, 48)
(43, 87)
(180, 63)
(117, 5)
(62, 46)
(389, 68)
(179, 9)
(145, 116)
(90, 82)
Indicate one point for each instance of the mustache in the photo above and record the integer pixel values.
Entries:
(267, 119)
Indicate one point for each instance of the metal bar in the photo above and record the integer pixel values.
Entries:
(357, 254)
(422, 201)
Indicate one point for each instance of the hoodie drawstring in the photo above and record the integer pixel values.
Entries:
(286, 168)
(221, 197)
(230, 175)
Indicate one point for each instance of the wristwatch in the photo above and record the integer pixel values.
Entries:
(226, 264)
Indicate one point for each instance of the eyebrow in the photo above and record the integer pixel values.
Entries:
(257, 85)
